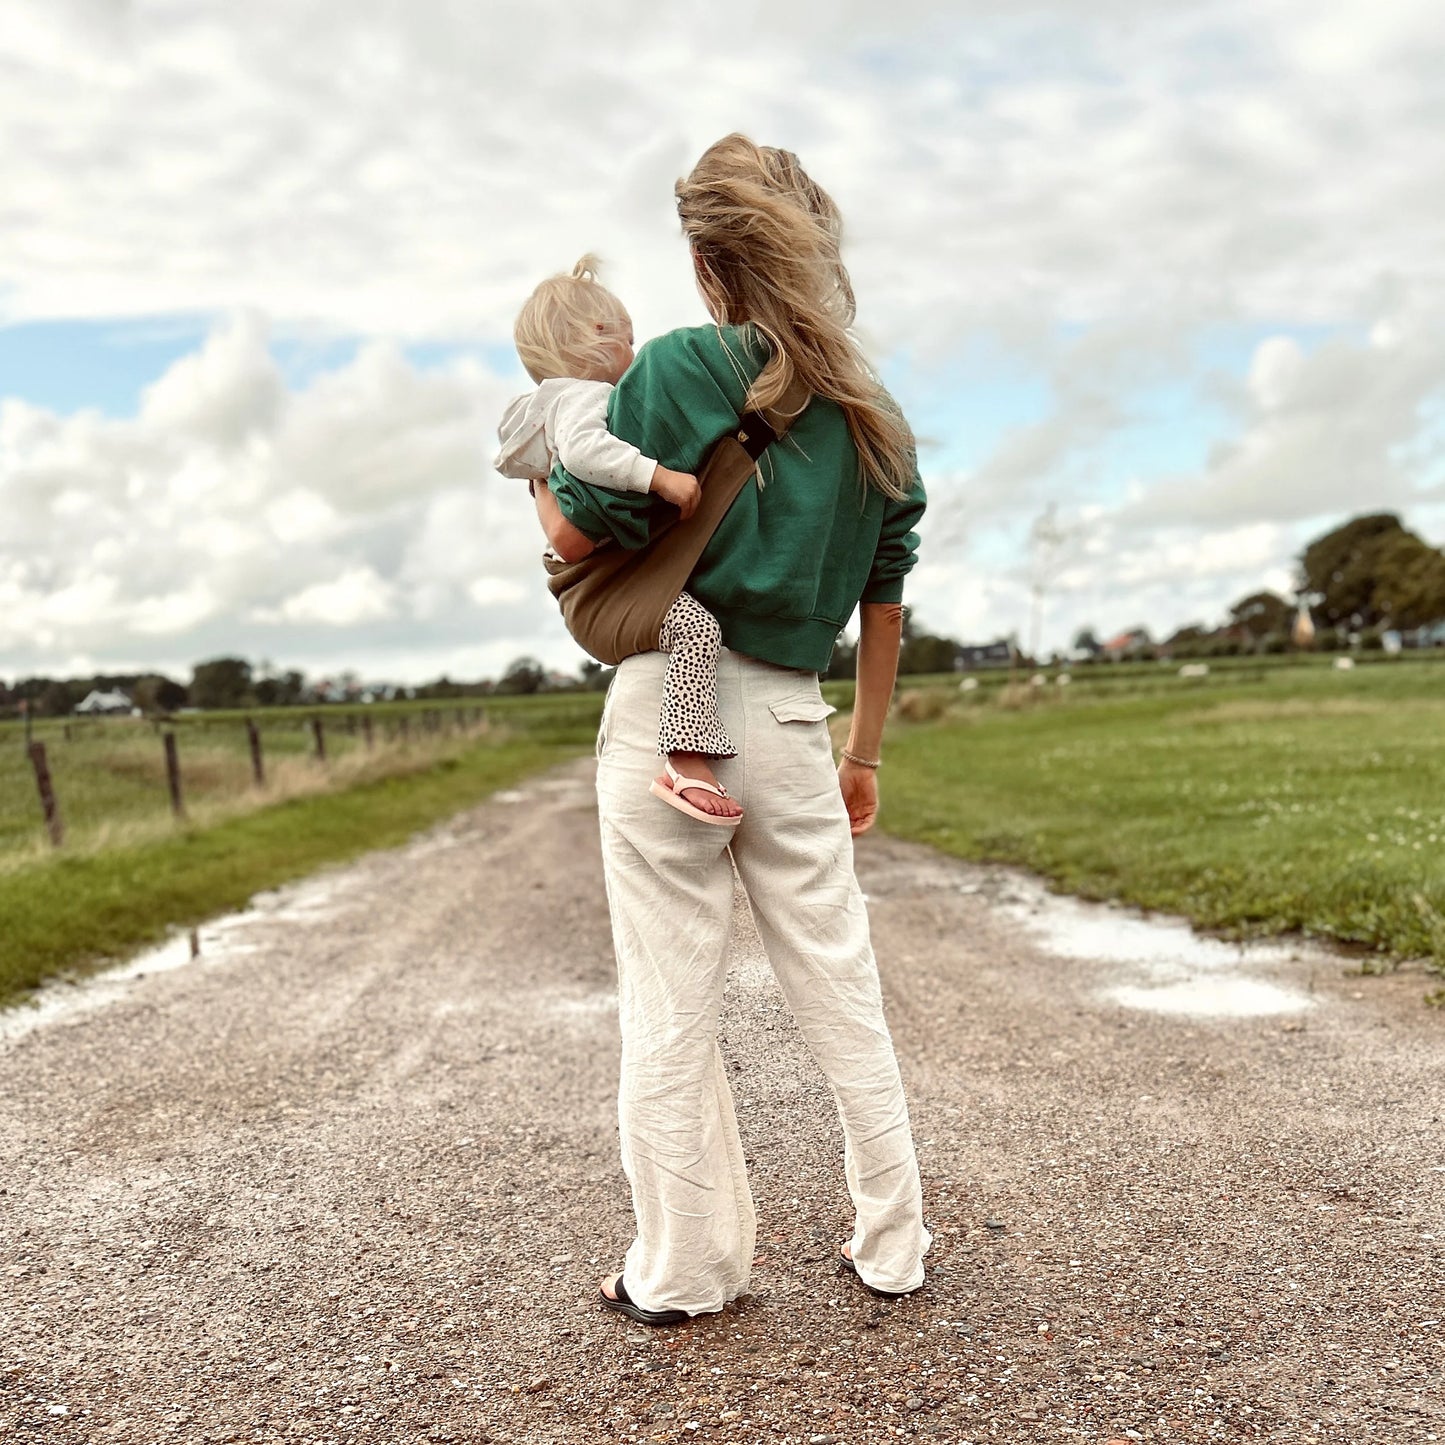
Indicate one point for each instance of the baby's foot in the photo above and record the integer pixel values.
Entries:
(695, 765)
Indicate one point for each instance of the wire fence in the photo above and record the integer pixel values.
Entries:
(81, 777)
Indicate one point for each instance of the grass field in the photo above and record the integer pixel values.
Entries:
(1271, 796)
(1255, 801)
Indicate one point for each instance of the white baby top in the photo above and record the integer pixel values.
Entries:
(565, 421)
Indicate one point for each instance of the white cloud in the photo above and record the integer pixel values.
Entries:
(389, 171)
(357, 596)
(224, 393)
(1088, 186)
(355, 520)
(1345, 427)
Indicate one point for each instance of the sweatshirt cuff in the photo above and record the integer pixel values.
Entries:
(642, 470)
(890, 589)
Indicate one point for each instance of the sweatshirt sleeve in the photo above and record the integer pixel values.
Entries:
(589, 451)
(897, 549)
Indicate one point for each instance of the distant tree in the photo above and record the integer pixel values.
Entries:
(1344, 567)
(1085, 640)
(157, 694)
(443, 688)
(1190, 641)
(595, 677)
(524, 675)
(1261, 613)
(925, 653)
(1409, 582)
(844, 661)
(221, 682)
(58, 697)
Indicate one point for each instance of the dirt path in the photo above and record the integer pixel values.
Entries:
(352, 1176)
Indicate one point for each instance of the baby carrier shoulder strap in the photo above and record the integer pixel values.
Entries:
(614, 600)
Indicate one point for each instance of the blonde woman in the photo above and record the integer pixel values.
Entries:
(827, 525)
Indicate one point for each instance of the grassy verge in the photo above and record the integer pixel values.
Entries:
(76, 909)
(1306, 801)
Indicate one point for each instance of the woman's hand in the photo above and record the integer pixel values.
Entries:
(860, 795)
(569, 544)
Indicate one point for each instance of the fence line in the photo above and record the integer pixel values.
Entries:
(432, 720)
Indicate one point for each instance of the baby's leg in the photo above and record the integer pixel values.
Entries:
(690, 722)
(690, 731)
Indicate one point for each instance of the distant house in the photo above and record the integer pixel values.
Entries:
(1431, 636)
(1136, 642)
(100, 704)
(981, 656)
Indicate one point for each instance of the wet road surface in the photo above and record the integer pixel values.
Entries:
(351, 1174)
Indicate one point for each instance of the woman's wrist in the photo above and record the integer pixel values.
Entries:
(863, 760)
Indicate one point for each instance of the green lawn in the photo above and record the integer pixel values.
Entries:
(1265, 798)
(1296, 799)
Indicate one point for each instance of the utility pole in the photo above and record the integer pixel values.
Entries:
(1047, 537)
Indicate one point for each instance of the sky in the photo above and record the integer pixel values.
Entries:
(1170, 276)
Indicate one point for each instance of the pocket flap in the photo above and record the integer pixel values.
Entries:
(801, 709)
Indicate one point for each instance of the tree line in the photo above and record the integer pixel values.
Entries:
(1357, 581)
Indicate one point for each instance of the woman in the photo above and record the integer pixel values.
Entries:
(829, 525)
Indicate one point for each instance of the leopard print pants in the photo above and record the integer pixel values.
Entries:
(690, 722)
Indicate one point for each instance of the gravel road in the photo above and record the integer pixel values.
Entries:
(351, 1175)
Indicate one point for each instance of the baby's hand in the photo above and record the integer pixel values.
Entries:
(680, 488)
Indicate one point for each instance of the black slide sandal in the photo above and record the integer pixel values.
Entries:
(623, 1305)
(848, 1267)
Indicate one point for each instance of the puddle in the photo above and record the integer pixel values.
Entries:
(1070, 928)
(311, 901)
(588, 1007)
(1232, 998)
(306, 902)
(1158, 965)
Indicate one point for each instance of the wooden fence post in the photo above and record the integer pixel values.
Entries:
(173, 774)
(318, 731)
(366, 731)
(48, 804)
(258, 766)
(405, 728)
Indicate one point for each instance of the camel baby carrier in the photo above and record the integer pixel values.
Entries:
(615, 599)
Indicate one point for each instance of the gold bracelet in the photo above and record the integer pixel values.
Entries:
(862, 762)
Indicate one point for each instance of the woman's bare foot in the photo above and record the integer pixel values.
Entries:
(609, 1285)
(695, 765)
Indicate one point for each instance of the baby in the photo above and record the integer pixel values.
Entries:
(575, 339)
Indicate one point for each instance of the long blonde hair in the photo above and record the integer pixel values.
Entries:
(766, 240)
(568, 324)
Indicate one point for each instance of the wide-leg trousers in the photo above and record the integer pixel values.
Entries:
(670, 890)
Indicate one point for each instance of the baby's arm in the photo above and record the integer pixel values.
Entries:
(592, 454)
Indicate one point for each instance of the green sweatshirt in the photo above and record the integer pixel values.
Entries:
(793, 557)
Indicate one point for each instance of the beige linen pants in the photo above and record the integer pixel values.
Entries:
(670, 891)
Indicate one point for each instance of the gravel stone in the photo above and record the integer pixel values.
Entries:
(352, 1175)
